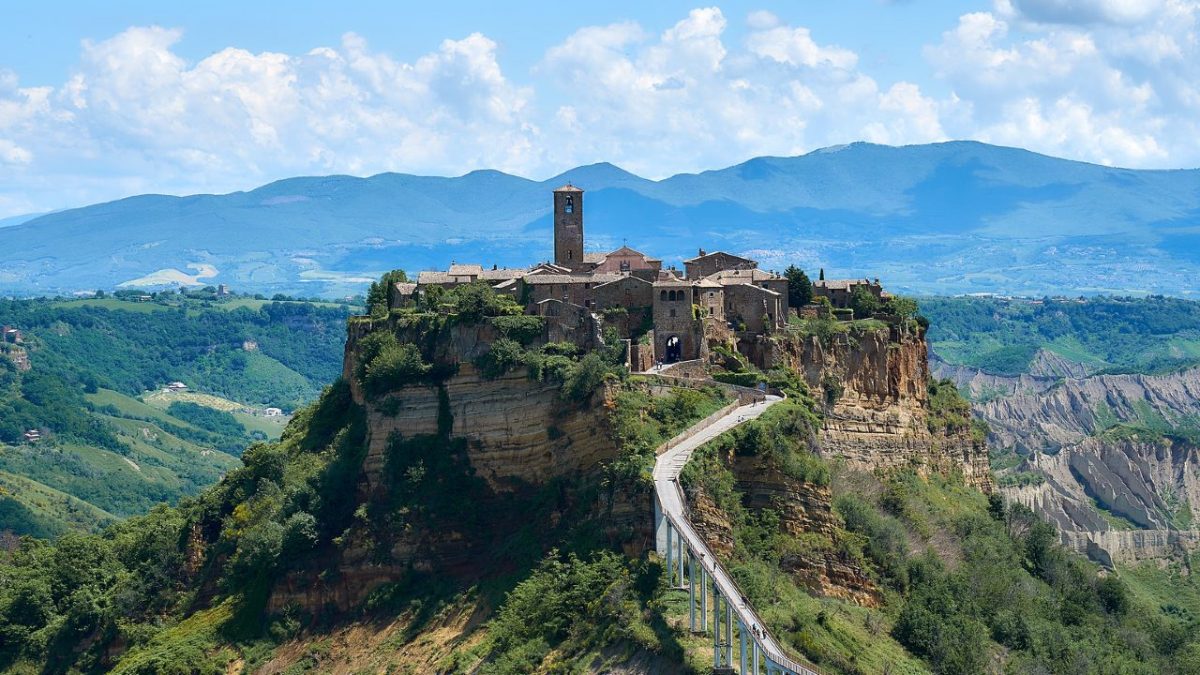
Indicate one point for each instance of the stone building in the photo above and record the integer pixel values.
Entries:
(839, 290)
(677, 331)
(707, 264)
(754, 309)
(568, 227)
(722, 297)
(626, 259)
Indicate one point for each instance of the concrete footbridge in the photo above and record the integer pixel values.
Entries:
(736, 628)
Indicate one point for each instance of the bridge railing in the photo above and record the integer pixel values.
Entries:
(732, 591)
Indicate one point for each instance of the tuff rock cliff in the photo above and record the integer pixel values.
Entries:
(875, 387)
(1116, 496)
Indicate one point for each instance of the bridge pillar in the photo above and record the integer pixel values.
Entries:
(742, 654)
(660, 528)
(703, 599)
(679, 549)
(691, 592)
(716, 628)
(754, 657)
(670, 552)
(729, 631)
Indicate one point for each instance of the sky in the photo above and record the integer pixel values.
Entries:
(100, 101)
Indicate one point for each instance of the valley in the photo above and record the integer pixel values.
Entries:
(90, 430)
(1097, 426)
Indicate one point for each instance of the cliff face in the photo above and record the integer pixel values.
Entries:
(1150, 486)
(1117, 498)
(1079, 408)
(878, 419)
(983, 386)
(803, 509)
(491, 447)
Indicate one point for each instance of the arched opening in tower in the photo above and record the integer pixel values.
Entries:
(674, 348)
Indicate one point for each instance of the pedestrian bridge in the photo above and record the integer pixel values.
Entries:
(739, 635)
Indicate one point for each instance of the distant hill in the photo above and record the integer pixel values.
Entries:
(944, 218)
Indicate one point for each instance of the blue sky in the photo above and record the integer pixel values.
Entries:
(99, 102)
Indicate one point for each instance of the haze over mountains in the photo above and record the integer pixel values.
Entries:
(956, 217)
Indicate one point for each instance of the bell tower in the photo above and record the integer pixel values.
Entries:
(568, 226)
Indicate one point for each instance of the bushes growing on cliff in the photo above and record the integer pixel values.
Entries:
(573, 605)
(950, 413)
(384, 363)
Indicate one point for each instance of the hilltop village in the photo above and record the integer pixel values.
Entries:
(667, 316)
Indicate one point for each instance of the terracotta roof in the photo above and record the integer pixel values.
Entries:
(502, 274)
(840, 284)
(739, 276)
(549, 267)
(708, 283)
(465, 270)
(594, 257)
(624, 278)
(435, 278)
(716, 253)
(672, 283)
(536, 279)
(405, 288)
(569, 188)
(759, 289)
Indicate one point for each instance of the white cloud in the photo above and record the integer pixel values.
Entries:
(1110, 82)
(1117, 12)
(686, 100)
(1114, 81)
(135, 114)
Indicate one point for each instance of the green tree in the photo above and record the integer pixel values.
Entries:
(800, 291)
(863, 302)
(381, 292)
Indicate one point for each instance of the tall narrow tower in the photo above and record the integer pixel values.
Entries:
(568, 226)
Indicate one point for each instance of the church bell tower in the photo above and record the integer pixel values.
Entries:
(568, 226)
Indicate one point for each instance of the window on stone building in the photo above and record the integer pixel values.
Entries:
(672, 314)
(662, 295)
(710, 311)
(570, 205)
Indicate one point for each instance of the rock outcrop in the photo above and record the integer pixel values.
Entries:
(875, 385)
(1077, 409)
(982, 386)
(1147, 488)
(508, 440)
(806, 512)
(1118, 497)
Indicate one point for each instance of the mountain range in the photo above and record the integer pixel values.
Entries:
(956, 217)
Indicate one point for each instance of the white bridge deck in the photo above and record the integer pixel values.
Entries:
(672, 518)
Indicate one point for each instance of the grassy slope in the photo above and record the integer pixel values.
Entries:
(46, 512)
(158, 466)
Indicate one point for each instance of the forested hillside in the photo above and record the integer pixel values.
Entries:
(1051, 336)
(87, 378)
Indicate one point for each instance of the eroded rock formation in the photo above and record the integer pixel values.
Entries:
(875, 388)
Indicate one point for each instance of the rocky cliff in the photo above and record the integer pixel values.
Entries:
(874, 386)
(1079, 408)
(1116, 496)
(493, 447)
(1118, 499)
